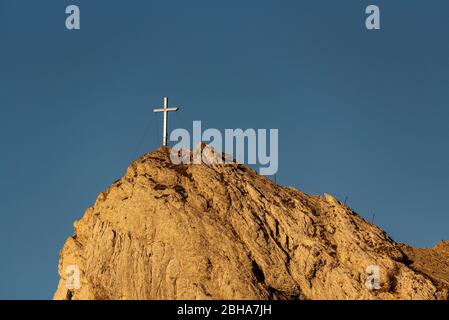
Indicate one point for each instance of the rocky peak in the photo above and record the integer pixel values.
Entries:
(210, 231)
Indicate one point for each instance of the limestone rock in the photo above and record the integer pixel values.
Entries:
(167, 231)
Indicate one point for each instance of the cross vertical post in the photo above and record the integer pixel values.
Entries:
(164, 132)
(165, 110)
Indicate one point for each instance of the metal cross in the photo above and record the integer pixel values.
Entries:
(165, 110)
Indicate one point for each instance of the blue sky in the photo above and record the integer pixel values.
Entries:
(361, 114)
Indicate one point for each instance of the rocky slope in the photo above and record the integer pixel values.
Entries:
(167, 231)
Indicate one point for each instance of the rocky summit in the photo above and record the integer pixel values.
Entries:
(221, 231)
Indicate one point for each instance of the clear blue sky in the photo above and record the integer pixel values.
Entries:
(360, 114)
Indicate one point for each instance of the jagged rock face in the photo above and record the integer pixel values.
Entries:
(168, 231)
(434, 262)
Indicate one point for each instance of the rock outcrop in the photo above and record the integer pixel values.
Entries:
(214, 231)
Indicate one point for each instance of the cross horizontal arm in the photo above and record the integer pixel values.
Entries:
(166, 109)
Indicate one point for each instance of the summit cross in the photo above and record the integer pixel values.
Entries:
(165, 110)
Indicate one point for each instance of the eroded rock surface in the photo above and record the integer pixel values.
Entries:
(167, 231)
